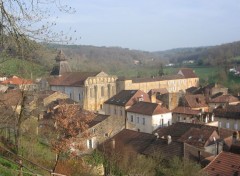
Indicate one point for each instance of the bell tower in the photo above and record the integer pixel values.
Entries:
(61, 66)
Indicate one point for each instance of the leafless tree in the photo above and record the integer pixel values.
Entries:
(23, 20)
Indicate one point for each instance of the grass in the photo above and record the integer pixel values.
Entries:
(23, 68)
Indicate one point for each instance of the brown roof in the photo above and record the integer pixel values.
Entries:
(185, 110)
(187, 73)
(148, 108)
(196, 101)
(98, 119)
(224, 99)
(128, 98)
(197, 137)
(180, 128)
(71, 79)
(160, 147)
(127, 141)
(230, 111)
(225, 164)
(17, 81)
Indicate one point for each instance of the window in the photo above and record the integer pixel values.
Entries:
(131, 118)
(90, 144)
(121, 112)
(79, 96)
(102, 91)
(137, 119)
(115, 111)
(161, 122)
(70, 95)
(143, 121)
(220, 124)
(106, 135)
(227, 124)
(235, 126)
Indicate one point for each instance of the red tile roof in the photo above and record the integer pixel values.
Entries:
(128, 98)
(71, 79)
(198, 137)
(196, 101)
(17, 81)
(224, 99)
(225, 164)
(187, 73)
(127, 141)
(186, 110)
(160, 147)
(148, 108)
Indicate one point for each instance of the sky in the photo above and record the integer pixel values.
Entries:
(153, 25)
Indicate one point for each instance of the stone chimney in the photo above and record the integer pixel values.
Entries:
(113, 143)
(169, 139)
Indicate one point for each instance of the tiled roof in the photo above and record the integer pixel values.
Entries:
(127, 141)
(16, 81)
(225, 164)
(185, 110)
(148, 108)
(196, 101)
(230, 111)
(223, 99)
(160, 147)
(98, 119)
(187, 73)
(197, 137)
(128, 98)
(180, 128)
(71, 79)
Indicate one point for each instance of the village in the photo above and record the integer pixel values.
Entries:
(170, 115)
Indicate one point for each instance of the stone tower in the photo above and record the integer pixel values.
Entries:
(61, 65)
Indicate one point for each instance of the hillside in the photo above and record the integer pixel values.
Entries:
(228, 53)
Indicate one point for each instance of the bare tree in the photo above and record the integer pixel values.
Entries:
(21, 20)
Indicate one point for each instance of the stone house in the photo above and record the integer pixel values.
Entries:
(228, 117)
(184, 79)
(101, 128)
(195, 102)
(146, 117)
(220, 100)
(118, 104)
(185, 114)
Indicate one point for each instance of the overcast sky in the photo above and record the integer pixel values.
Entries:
(153, 25)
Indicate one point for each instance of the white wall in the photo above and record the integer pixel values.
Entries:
(151, 122)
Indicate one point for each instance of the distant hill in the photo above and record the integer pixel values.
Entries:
(114, 60)
(213, 55)
(126, 62)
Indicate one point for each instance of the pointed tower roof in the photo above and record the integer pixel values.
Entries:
(60, 56)
(61, 65)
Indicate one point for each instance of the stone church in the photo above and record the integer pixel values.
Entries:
(90, 89)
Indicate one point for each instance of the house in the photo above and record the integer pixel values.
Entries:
(184, 79)
(146, 117)
(225, 163)
(195, 102)
(198, 141)
(101, 128)
(90, 89)
(220, 100)
(185, 114)
(19, 83)
(214, 88)
(228, 116)
(119, 103)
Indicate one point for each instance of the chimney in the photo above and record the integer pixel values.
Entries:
(113, 143)
(169, 139)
